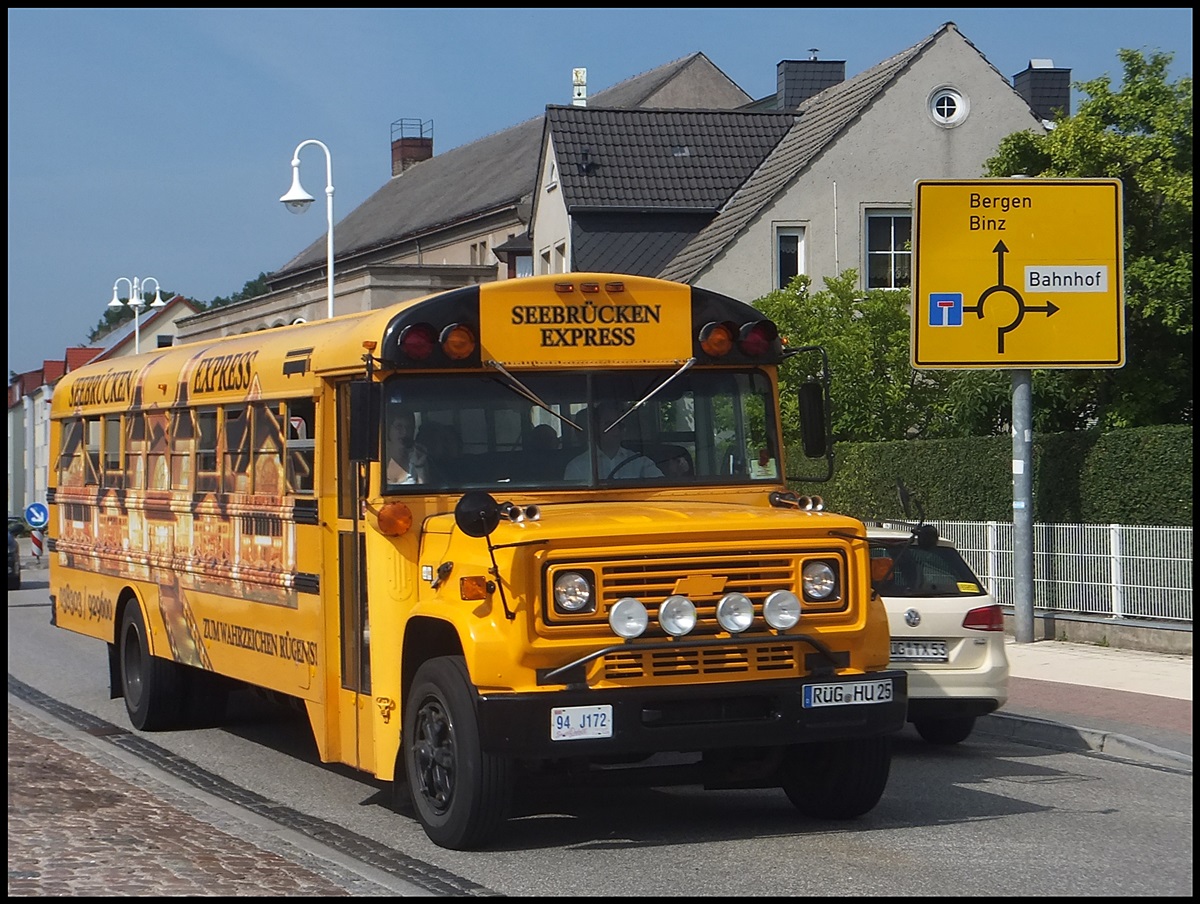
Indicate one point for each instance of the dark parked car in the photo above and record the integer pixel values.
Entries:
(17, 526)
(14, 562)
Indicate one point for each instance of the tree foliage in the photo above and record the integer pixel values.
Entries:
(1142, 135)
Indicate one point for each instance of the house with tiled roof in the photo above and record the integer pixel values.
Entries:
(440, 219)
(826, 188)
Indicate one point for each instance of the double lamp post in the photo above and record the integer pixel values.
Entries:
(137, 302)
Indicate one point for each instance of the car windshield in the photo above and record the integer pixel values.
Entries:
(900, 568)
(654, 427)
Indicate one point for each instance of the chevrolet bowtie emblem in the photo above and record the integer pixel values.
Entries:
(695, 585)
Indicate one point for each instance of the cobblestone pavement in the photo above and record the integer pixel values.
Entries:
(84, 823)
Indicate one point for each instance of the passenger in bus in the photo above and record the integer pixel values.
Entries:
(543, 439)
(677, 463)
(437, 453)
(613, 459)
(401, 447)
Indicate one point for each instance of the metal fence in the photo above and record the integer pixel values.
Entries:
(1104, 570)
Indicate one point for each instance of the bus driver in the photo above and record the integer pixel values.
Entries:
(612, 458)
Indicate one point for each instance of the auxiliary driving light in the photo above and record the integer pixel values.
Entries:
(628, 618)
(677, 615)
(781, 609)
(735, 612)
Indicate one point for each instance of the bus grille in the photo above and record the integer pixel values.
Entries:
(774, 659)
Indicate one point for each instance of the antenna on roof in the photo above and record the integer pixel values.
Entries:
(579, 87)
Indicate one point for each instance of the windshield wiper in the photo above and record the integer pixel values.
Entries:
(526, 393)
(652, 393)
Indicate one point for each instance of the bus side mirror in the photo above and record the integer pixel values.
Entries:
(813, 435)
(364, 421)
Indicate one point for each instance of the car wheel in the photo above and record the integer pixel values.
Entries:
(14, 582)
(945, 731)
(837, 779)
(151, 685)
(460, 793)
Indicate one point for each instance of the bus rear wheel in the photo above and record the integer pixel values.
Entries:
(837, 779)
(150, 684)
(460, 793)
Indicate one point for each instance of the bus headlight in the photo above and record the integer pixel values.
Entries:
(677, 615)
(735, 612)
(819, 581)
(781, 609)
(573, 593)
(628, 618)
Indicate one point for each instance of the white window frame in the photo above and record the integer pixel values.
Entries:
(893, 253)
(786, 232)
(942, 96)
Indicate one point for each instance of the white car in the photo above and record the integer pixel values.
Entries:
(947, 631)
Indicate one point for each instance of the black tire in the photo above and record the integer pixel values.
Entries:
(945, 731)
(14, 582)
(460, 794)
(837, 779)
(151, 685)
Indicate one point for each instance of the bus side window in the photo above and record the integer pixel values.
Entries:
(235, 471)
(91, 474)
(206, 450)
(183, 444)
(157, 465)
(135, 451)
(70, 455)
(114, 473)
(268, 450)
(300, 442)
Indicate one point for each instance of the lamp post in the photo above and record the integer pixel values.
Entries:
(137, 302)
(298, 200)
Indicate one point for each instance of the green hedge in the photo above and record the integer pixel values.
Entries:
(1137, 476)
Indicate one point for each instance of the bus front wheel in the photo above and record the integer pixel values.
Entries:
(460, 793)
(837, 779)
(150, 684)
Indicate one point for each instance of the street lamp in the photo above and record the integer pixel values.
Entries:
(298, 200)
(137, 302)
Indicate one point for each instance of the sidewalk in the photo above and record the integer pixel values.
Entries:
(1124, 703)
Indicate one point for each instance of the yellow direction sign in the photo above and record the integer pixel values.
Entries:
(1018, 273)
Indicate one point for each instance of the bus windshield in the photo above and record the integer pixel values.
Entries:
(558, 429)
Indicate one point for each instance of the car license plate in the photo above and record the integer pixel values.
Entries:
(919, 651)
(571, 723)
(848, 693)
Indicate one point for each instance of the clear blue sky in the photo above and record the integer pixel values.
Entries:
(157, 142)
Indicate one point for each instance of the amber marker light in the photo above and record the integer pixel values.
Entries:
(564, 287)
(716, 339)
(395, 518)
(473, 587)
(458, 342)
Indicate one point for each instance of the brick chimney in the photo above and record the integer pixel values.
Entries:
(1045, 88)
(412, 142)
(798, 80)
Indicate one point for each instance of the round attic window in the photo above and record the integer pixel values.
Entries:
(948, 107)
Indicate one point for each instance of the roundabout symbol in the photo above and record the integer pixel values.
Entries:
(1049, 308)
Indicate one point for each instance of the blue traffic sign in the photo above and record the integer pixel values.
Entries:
(37, 515)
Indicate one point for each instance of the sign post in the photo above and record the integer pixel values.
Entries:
(1018, 274)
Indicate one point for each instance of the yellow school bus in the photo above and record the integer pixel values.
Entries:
(535, 530)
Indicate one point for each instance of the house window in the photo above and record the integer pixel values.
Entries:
(889, 249)
(948, 107)
(789, 254)
(560, 258)
(552, 177)
(546, 261)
